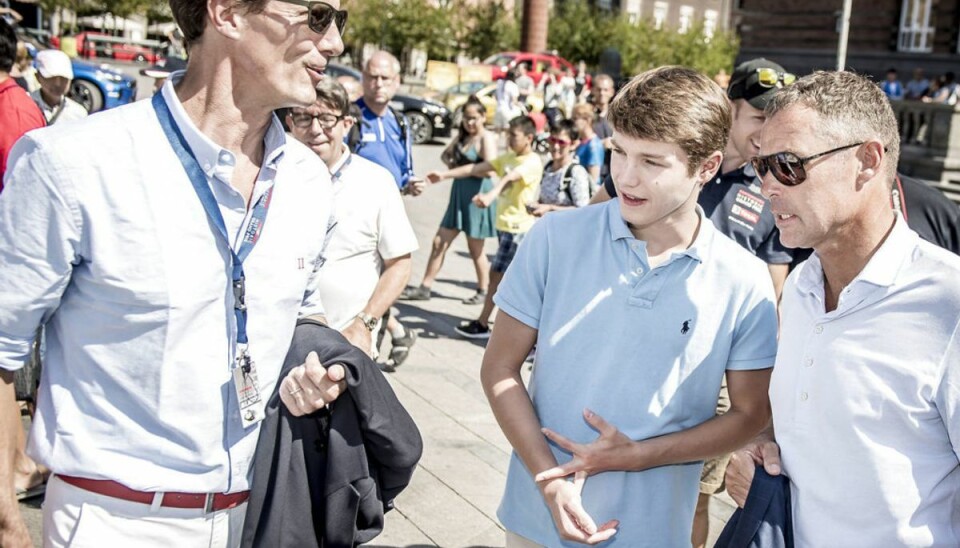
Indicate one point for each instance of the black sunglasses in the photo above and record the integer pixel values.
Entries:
(321, 14)
(787, 167)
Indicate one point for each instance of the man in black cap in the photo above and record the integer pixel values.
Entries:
(732, 200)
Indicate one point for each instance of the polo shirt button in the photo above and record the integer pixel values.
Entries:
(803, 396)
(819, 329)
(639, 271)
(809, 362)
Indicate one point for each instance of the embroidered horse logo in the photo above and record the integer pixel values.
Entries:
(685, 328)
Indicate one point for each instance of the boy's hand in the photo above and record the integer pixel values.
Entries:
(607, 452)
(483, 200)
(569, 517)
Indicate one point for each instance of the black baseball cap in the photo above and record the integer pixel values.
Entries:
(751, 81)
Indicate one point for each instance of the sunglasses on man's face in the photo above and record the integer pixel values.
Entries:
(787, 167)
(321, 15)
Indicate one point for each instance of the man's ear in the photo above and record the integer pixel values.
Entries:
(871, 156)
(348, 121)
(709, 167)
(226, 17)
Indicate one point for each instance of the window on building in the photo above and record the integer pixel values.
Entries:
(632, 9)
(686, 19)
(916, 33)
(605, 5)
(660, 10)
(710, 23)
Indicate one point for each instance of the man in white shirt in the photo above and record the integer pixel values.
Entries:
(141, 238)
(368, 255)
(865, 392)
(54, 72)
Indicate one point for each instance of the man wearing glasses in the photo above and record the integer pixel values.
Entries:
(865, 393)
(368, 256)
(141, 239)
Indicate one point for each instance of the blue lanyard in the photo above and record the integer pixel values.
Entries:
(339, 173)
(199, 181)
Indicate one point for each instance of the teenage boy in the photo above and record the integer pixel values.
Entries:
(519, 172)
(653, 265)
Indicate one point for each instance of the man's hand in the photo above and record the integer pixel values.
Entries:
(569, 517)
(434, 177)
(607, 452)
(359, 336)
(482, 200)
(743, 464)
(415, 186)
(310, 387)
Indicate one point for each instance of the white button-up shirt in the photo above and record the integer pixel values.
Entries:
(105, 239)
(866, 400)
(372, 225)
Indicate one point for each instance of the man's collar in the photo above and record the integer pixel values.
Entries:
(341, 161)
(698, 250)
(881, 270)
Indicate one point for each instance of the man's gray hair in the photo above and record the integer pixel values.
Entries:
(381, 55)
(851, 107)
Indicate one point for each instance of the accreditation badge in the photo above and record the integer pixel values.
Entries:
(247, 385)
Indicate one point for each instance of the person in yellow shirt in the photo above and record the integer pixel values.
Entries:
(519, 172)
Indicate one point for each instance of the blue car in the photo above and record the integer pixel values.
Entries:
(99, 87)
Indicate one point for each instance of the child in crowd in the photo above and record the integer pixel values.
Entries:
(519, 172)
(565, 183)
(473, 145)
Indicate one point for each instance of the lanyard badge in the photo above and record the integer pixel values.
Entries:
(244, 371)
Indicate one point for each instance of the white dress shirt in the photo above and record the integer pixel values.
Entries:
(866, 400)
(105, 239)
(372, 225)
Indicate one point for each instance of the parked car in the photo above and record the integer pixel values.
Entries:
(427, 118)
(99, 87)
(537, 64)
(133, 52)
(455, 96)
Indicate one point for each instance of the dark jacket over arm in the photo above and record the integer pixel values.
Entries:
(326, 479)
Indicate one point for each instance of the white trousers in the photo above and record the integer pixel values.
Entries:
(77, 518)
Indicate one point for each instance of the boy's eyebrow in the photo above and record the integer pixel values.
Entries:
(646, 154)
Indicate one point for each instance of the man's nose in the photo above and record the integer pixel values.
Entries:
(331, 43)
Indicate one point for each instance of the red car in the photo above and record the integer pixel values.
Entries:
(537, 64)
(132, 52)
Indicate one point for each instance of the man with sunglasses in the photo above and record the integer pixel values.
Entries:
(732, 200)
(368, 255)
(865, 393)
(169, 246)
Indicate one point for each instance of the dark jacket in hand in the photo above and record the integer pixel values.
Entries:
(326, 479)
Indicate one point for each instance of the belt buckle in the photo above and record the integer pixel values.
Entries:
(208, 503)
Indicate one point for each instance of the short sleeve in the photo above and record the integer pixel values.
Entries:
(499, 163)
(531, 171)
(520, 293)
(755, 334)
(396, 236)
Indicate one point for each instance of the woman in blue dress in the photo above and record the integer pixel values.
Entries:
(473, 144)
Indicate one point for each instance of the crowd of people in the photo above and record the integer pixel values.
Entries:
(720, 287)
(943, 89)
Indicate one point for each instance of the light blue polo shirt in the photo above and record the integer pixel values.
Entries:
(646, 349)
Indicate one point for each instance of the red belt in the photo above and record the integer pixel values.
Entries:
(210, 502)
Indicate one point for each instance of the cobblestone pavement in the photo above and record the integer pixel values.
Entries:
(453, 498)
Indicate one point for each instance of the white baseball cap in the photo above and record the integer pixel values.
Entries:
(53, 62)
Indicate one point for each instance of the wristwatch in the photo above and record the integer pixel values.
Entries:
(368, 321)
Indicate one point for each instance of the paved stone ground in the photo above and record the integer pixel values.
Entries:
(453, 498)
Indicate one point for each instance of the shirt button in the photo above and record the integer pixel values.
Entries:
(819, 329)
(639, 271)
(809, 362)
(803, 396)
(206, 166)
